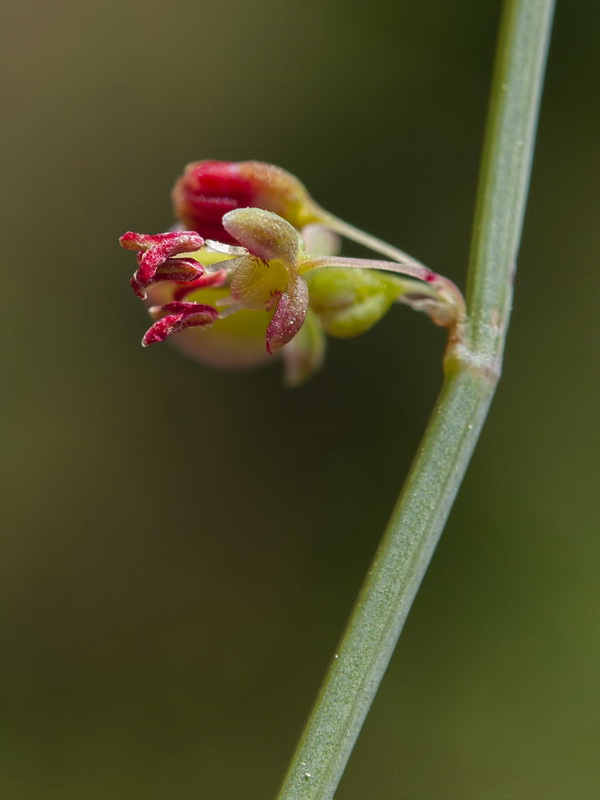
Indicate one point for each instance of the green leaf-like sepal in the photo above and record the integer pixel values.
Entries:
(265, 234)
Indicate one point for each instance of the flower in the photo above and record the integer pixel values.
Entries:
(207, 190)
(267, 288)
(264, 275)
(243, 281)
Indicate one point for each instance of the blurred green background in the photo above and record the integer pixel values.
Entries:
(181, 547)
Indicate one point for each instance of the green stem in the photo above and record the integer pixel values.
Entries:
(446, 291)
(366, 239)
(473, 366)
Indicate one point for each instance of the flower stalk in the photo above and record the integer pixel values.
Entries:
(449, 302)
(472, 369)
(359, 236)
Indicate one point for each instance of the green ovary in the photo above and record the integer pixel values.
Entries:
(257, 285)
(350, 301)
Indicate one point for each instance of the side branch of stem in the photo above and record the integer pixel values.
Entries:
(448, 292)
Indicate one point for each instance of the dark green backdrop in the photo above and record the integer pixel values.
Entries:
(182, 547)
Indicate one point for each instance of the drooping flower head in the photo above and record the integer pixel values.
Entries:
(255, 290)
(238, 305)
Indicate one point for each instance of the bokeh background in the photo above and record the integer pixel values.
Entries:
(181, 547)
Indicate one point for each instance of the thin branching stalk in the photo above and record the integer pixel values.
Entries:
(446, 290)
(472, 368)
(368, 240)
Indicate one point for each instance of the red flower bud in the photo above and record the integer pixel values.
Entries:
(207, 190)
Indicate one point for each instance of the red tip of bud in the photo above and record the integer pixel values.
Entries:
(207, 190)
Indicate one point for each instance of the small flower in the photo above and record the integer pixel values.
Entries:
(242, 282)
(207, 190)
(269, 275)
(266, 287)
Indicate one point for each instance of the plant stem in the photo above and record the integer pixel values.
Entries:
(473, 366)
(367, 240)
(447, 291)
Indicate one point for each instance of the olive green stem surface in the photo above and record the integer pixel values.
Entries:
(473, 365)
